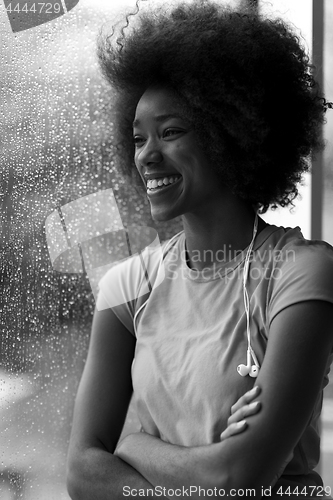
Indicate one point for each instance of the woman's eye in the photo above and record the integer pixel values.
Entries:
(171, 131)
(138, 141)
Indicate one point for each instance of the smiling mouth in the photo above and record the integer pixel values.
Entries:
(156, 185)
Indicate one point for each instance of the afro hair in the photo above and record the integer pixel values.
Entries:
(245, 85)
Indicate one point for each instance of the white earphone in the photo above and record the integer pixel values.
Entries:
(249, 368)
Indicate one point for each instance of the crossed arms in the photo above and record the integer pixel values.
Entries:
(300, 341)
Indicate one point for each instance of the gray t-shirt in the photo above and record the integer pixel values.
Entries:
(191, 333)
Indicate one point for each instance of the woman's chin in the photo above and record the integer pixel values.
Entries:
(162, 215)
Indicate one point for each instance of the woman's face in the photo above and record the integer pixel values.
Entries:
(172, 165)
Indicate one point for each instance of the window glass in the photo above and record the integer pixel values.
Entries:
(56, 149)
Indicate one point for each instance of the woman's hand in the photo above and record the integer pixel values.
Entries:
(236, 423)
(243, 408)
(140, 449)
(254, 458)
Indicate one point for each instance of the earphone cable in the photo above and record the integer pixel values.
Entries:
(245, 292)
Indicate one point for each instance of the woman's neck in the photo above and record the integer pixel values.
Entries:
(217, 238)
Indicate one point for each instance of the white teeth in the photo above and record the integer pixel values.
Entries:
(155, 183)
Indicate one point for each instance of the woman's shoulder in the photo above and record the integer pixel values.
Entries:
(287, 246)
(137, 274)
(301, 270)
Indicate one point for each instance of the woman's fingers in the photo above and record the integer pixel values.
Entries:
(244, 407)
(244, 411)
(233, 429)
(246, 399)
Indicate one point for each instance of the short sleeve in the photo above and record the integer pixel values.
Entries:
(115, 289)
(130, 280)
(302, 271)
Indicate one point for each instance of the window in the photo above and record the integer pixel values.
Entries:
(56, 147)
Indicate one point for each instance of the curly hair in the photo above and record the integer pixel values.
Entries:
(245, 85)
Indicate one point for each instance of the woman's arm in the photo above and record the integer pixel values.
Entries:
(94, 472)
(100, 409)
(300, 341)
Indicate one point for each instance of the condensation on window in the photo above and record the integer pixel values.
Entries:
(56, 149)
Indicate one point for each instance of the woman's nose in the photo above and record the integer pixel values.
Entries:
(150, 154)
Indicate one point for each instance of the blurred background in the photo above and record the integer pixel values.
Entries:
(56, 136)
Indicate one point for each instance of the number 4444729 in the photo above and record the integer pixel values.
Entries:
(306, 491)
(37, 7)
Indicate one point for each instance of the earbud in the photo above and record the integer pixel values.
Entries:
(248, 369)
(254, 372)
(244, 370)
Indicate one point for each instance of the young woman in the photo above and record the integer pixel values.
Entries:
(220, 112)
